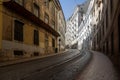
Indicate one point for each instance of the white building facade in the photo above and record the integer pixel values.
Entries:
(72, 25)
(85, 28)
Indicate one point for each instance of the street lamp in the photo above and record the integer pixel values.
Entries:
(59, 44)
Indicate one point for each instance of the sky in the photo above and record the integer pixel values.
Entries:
(69, 5)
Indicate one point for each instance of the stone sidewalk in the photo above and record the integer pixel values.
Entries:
(100, 68)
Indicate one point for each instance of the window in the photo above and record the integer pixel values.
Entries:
(53, 24)
(104, 48)
(99, 3)
(18, 53)
(112, 43)
(106, 18)
(46, 42)
(53, 42)
(47, 3)
(99, 15)
(100, 34)
(94, 28)
(53, 10)
(119, 31)
(36, 37)
(103, 29)
(46, 18)
(94, 45)
(97, 38)
(36, 53)
(18, 30)
(21, 2)
(36, 10)
(107, 47)
(111, 5)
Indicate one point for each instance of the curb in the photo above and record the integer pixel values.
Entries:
(13, 62)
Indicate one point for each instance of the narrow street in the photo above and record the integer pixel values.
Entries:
(59, 39)
(59, 67)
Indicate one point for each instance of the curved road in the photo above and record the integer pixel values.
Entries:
(63, 66)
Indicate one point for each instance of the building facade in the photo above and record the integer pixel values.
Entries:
(28, 28)
(87, 26)
(61, 30)
(72, 26)
(106, 37)
(68, 34)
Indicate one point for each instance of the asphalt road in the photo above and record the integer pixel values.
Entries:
(64, 66)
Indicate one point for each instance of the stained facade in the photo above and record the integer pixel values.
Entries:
(61, 30)
(28, 28)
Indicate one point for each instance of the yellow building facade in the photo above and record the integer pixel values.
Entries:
(28, 28)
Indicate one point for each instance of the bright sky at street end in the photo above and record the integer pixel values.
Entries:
(69, 5)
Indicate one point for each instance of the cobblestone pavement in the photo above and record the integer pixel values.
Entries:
(57, 67)
(70, 71)
(100, 68)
